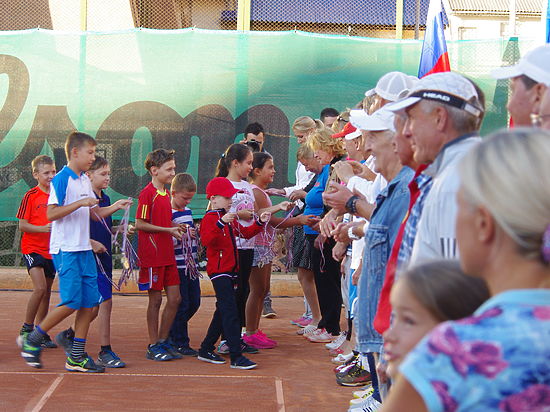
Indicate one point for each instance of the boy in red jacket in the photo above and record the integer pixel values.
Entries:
(217, 234)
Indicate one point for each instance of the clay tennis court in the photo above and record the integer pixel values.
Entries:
(295, 376)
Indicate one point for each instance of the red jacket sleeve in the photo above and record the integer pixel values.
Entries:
(211, 228)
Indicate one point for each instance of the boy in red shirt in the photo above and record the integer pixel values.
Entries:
(217, 233)
(35, 245)
(156, 253)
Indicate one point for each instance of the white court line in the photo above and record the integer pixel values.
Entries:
(38, 407)
(139, 374)
(280, 395)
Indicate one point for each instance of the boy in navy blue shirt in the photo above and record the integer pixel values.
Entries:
(183, 189)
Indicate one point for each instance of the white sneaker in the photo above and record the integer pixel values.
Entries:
(320, 336)
(337, 342)
(342, 358)
(368, 404)
(359, 395)
(309, 329)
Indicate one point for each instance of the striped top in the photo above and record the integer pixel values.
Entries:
(184, 217)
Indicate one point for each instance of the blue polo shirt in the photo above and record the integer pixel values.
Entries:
(99, 233)
(314, 198)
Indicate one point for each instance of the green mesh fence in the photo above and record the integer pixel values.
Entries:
(194, 91)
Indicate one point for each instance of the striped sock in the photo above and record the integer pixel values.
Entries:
(28, 326)
(78, 348)
(36, 336)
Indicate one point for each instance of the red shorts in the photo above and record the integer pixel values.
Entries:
(157, 278)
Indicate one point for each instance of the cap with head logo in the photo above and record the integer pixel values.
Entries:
(448, 88)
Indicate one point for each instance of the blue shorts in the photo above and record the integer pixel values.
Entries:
(77, 275)
(104, 285)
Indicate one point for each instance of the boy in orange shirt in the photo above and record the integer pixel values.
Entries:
(35, 245)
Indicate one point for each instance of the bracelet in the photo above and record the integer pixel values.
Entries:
(351, 204)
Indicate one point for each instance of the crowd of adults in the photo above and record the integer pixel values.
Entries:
(398, 190)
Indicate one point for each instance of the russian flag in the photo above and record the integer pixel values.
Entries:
(434, 58)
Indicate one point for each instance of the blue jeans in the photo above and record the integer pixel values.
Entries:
(226, 317)
(190, 291)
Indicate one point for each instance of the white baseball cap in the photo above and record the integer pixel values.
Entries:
(393, 85)
(353, 135)
(535, 64)
(447, 87)
(380, 120)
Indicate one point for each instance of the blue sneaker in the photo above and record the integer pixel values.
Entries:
(65, 341)
(31, 353)
(171, 350)
(156, 352)
(109, 359)
(83, 364)
(210, 357)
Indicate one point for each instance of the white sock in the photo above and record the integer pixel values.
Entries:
(364, 361)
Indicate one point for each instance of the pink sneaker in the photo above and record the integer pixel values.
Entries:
(320, 336)
(257, 342)
(264, 337)
(301, 322)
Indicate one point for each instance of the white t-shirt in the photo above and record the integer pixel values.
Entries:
(72, 232)
(241, 201)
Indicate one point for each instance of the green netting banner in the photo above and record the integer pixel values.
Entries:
(194, 91)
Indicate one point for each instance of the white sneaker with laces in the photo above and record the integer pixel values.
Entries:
(309, 329)
(336, 342)
(320, 336)
(368, 404)
(341, 358)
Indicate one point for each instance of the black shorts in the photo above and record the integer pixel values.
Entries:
(35, 260)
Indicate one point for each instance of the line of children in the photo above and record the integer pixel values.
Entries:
(70, 205)
(35, 246)
(217, 233)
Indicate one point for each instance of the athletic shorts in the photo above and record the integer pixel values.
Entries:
(104, 285)
(36, 260)
(77, 274)
(157, 278)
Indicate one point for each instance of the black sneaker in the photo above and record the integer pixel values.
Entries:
(110, 359)
(186, 351)
(31, 353)
(243, 363)
(355, 376)
(65, 341)
(83, 364)
(210, 357)
(171, 350)
(158, 353)
(47, 342)
(247, 348)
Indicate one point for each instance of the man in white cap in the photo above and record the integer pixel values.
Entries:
(443, 115)
(527, 83)
(390, 87)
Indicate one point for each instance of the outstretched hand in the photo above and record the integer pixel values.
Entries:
(265, 216)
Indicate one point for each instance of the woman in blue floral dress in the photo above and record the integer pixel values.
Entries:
(498, 359)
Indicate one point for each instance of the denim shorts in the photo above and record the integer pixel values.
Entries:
(77, 274)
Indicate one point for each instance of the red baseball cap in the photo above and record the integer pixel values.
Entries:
(348, 128)
(220, 186)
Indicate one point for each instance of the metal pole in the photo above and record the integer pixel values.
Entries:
(398, 19)
(243, 15)
(83, 15)
(512, 19)
(417, 20)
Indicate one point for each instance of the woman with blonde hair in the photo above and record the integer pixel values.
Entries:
(497, 359)
(325, 268)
